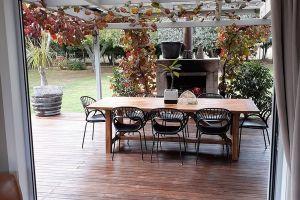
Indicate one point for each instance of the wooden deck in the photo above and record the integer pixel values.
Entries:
(65, 171)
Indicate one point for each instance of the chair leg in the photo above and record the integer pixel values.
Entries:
(268, 135)
(198, 145)
(197, 134)
(263, 132)
(93, 131)
(128, 142)
(179, 141)
(157, 146)
(113, 151)
(227, 150)
(240, 140)
(184, 141)
(141, 142)
(187, 130)
(160, 145)
(84, 135)
(153, 143)
(145, 139)
(119, 143)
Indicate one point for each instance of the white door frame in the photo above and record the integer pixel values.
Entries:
(15, 99)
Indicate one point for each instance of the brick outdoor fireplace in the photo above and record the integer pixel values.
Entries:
(195, 73)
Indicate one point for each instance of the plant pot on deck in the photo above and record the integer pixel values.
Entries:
(171, 96)
(46, 100)
(171, 50)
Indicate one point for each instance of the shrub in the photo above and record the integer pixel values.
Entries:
(253, 80)
(60, 62)
(76, 65)
(65, 64)
(121, 85)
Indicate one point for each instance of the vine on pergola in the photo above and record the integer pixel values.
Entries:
(138, 65)
(69, 29)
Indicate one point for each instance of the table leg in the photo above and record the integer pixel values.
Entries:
(235, 135)
(108, 132)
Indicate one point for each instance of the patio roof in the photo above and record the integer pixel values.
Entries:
(211, 12)
(137, 14)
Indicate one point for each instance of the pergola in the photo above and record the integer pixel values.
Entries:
(165, 14)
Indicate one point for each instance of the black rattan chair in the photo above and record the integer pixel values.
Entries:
(128, 120)
(257, 121)
(211, 95)
(213, 121)
(91, 115)
(167, 122)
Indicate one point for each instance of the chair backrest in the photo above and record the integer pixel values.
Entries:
(86, 101)
(216, 116)
(163, 116)
(211, 95)
(266, 112)
(133, 114)
(9, 187)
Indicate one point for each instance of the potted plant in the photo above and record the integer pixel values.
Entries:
(46, 99)
(171, 50)
(171, 95)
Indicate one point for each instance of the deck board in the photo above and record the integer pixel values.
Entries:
(65, 171)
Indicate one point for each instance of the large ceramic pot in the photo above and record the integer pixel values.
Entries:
(171, 50)
(46, 100)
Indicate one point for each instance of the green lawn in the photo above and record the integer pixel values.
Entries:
(75, 84)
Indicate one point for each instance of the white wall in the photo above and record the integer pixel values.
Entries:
(14, 106)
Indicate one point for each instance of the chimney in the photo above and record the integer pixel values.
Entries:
(188, 38)
(188, 42)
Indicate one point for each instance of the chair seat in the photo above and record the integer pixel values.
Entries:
(253, 123)
(96, 118)
(214, 130)
(127, 127)
(167, 130)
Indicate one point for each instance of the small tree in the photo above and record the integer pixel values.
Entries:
(39, 56)
(237, 44)
(173, 70)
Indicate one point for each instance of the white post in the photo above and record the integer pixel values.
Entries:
(97, 65)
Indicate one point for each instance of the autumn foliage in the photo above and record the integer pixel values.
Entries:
(138, 65)
(237, 44)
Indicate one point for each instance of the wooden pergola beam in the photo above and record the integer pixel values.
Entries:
(265, 10)
(58, 3)
(116, 2)
(194, 24)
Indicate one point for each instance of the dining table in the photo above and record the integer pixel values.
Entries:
(235, 106)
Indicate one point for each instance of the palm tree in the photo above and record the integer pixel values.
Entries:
(39, 55)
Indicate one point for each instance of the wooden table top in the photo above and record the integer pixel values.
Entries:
(148, 103)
